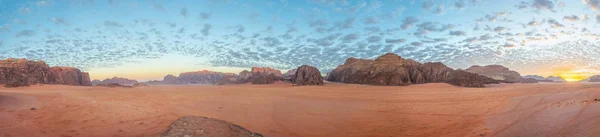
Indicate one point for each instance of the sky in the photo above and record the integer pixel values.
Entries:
(148, 39)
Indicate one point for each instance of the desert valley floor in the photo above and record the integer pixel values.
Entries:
(283, 110)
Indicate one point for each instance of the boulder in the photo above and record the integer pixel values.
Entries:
(196, 126)
(393, 70)
(496, 72)
(308, 75)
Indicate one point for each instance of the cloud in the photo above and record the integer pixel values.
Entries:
(427, 4)
(240, 28)
(598, 18)
(25, 33)
(508, 45)
(318, 23)
(346, 24)
(113, 24)
(540, 5)
(400, 40)
(440, 10)
(204, 15)
(572, 18)
(184, 12)
(460, 4)
(349, 38)
(555, 24)
(374, 39)
(457, 33)
(416, 43)
(593, 4)
(427, 27)
(500, 29)
(371, 20)
(522, 5)
(408, 22)
(206, 29)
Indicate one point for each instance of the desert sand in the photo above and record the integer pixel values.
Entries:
(283, 110)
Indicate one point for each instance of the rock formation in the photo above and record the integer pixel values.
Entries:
(196, 126)
(122, 81)
(556, 78)
(170, 79)
(38, 72)
(542, 79)
(391, 69)
(496, 72)
(307, 75)
(289, 75)
(595, 78)
(113, 85)
(197, 77)
(257, 75)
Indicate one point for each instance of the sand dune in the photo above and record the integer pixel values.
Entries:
(280, 110)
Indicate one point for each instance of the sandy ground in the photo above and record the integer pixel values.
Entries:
(510, 110)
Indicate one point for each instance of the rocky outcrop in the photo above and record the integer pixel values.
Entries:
(38, 72)
(170, 79)
(393, 70)
(595, 78)
(196, 126)
(307, 75)
(258, 75)
(200, 77)
(496, 72)
(289, 75)
(122, 81)
(266, 71)
(113, 85)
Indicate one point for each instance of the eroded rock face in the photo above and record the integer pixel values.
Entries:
(289, 76)
(38, 72)
(122, 81)
(595, 78)
(196, 126)
(308, 75)
(266, 71)
(170, 79)
(388, 69)
(200, 77)
(391, 69)
(496, 72)
(529, 80)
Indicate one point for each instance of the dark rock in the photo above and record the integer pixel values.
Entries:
(308, 75)
(496, 72)
(391, 69)
(263, 79)
(38, 72)
(196, 126)
(33, 109)
(289, 76)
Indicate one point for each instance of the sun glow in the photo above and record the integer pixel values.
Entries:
(574, 76)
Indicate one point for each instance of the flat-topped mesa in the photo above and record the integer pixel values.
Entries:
(38, 72)
(199, 77)
(266, 70)
(496, 72)
(391, 69)
(119, 80)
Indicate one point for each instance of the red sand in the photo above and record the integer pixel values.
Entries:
(309, 111)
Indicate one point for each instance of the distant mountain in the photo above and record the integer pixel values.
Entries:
(548, 79)
(119, 80)
(196, 77)
(497, 72)
(595, 78)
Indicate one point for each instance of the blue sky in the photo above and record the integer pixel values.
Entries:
(147, 39)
